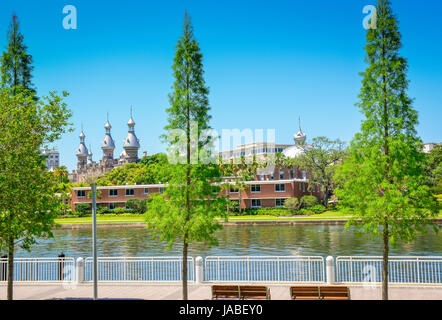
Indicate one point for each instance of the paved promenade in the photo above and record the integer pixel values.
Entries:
(196, 292)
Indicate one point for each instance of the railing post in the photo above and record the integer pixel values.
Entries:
(4, 268)
(80, 270)
(330, 269)
(199, 271)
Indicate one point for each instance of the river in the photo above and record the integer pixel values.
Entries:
(277, 240)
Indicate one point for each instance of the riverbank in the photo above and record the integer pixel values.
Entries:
(231, 222)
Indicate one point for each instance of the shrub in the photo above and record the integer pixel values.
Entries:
(308, 201)
(319, 208)
(137, 205)
(292, 204)
(267, 212)
(83, 209)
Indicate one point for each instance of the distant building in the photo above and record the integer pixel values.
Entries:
(262, 149)
(430, 146)
(52, 160)
(267, 188)
(87, 168)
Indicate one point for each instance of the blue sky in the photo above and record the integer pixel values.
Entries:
(266, 63)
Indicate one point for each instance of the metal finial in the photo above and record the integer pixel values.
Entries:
(131, 111)
(299, 122)
(107, 116)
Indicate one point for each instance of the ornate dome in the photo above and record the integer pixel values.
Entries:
(82, 150)
(131, 140)
(292, 151)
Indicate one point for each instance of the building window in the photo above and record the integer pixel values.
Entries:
(279, 202)
(233, 189)
(262, 177)
(303, 187)
(292, 174)
(161, 189)
(112, 206)
(113, 192)
(271, 176)
(81, 193)
(146, 190)
(299, 184)
(304, 175)
(281, 175)
(255, 188)
(130, 192)
(256, 203)
(280, 187)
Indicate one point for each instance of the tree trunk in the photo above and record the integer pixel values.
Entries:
(326, 198)
(385, 263)
(185, 247)
(10, 268)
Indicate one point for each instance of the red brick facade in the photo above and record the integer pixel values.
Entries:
(262, 192)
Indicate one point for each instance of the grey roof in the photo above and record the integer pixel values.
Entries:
(108, 142)
(82, 150)
(107, 125)
(131, 122)
(131, 140)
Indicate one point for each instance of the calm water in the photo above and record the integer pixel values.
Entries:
(320, 240)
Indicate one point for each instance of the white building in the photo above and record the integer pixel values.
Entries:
(52, 158)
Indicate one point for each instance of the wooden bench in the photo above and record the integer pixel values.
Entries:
(304, 293)
(240, 292)
(254, 292)
(225, 292)
(334, 293)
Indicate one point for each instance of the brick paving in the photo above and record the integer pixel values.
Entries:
(145, 291)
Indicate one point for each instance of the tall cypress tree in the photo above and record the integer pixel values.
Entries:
(382, 179)
(16, 63)
(191, 201)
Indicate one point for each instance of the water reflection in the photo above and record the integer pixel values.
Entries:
(320, 240)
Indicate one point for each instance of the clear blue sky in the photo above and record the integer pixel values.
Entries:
(266, 62)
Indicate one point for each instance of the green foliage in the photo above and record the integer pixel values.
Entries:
(276, 212)
(320, 159)
(150, 170)
(292, 204)
(16, 63)
(308, 201)
(138, 205)
(24, 126)
(82, 209)
(319, 208)
(433, 169)
(382, 180)
(191, 207)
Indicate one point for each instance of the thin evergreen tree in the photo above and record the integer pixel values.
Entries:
(382, 178)
(16, 64)
(192, 200)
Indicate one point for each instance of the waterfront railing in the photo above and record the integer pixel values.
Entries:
(303, 269)
(401, 269)
(39, 269)
(225, 269)
(149, 269)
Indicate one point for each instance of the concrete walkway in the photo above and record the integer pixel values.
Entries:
(147, 291)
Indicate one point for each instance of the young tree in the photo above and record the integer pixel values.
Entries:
(321, 159)
(16, 63)
(28, 204)
(192, 204)
(382, 181)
